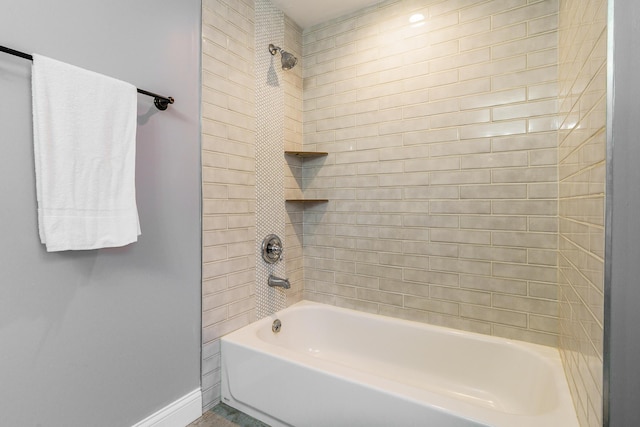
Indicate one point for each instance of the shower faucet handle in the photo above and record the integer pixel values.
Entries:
(271, 249)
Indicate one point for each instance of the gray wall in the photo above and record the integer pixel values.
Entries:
(103, 337)
(622, 270)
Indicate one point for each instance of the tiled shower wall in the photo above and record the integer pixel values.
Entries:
(229, 181)
(292, 166)
(581, 151)
(230, 90)
(442, 172)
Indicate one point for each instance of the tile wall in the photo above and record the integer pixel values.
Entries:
(442, 172)
(292, 84)
(229, 180)
(581, 151)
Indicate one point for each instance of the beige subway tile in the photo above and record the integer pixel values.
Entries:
(461, 236)
(525, 272)
(493, 129)
(525, 45)
(494, 98)
(489, 253)
(543, 24)
(525, 142)
(542, 124)
(545, 90)
(430, 305)
(430, 277)
(516, 191)
(403, 233)
(358, 281)
(337, 290)
(542, 257)
(459, 118)
(429, 248)
(529, 305)
(462, 177)
(428, 165)
(460, 147)
(404, 313)
(493, 315)
(397, 286)
(524, 239)
(460, 295)
(522, 175)
(430, 80)
(404, 260)
(460, 207)
(430, 108)
(454, 62)
(379, 193)
(494, 284)
(489, 8)
(455, 265)
(495, 67)
(459, 323)
(542, 58)
(429, 192)
(429, 52)
(494, 222)
(469, 87)
(430, 136)
(399, 126)
(404, 207)
(404, 98)
(383, 272)
(523, 78)
(543, 290)
(526, 13)
(372, 295)
(527, 110)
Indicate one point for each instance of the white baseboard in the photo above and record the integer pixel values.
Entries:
(177, 414)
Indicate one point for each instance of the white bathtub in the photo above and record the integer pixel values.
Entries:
(332, 367)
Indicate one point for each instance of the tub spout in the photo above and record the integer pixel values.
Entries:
(278, 282)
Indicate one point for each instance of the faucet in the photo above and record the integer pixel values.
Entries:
(278, 282)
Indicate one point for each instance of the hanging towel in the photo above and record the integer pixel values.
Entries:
(84, 126)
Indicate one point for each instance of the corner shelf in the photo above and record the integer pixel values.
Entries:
(306, 154)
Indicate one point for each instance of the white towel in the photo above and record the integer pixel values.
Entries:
(84, 126)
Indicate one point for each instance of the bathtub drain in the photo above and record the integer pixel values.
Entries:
(275, 327)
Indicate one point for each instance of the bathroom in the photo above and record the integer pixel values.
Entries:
(110, 337)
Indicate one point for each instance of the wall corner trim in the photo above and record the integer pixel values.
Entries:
(179, 413)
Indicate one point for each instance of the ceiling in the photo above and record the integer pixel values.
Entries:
(307, 13)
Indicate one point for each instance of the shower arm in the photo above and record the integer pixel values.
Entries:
(273, 49)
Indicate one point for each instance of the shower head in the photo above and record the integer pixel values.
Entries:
(288, 60)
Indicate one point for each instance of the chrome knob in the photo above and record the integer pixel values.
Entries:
(271, 249)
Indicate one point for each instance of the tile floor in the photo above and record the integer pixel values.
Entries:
(222, 415)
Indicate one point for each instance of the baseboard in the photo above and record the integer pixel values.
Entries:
(177, 414)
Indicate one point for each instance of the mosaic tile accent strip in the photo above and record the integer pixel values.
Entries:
(270, 211)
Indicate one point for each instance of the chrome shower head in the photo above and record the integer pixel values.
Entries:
(288, 60)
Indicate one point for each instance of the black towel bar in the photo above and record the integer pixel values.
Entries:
(161, 102)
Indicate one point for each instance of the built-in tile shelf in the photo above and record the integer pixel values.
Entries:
(306, 154)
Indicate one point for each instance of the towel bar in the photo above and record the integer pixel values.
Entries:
(161, 102)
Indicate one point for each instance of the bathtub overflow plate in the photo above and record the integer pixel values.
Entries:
(275, 327)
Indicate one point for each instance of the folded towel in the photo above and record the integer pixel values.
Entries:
(84, 126)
